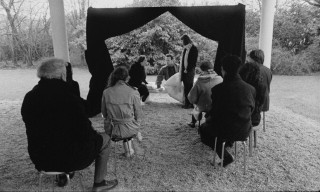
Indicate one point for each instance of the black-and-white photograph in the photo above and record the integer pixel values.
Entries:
(159, 95)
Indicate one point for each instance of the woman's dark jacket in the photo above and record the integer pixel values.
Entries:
(250, 73)
(60, 136)
(232, 106)
(266, 81)
(137, 75)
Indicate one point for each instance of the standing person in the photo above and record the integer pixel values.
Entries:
(121, 109)
(167, 71)
(60, 135)
(257, 56)
(200, 94)
(187, 67)
(138, 76)
(232, 105)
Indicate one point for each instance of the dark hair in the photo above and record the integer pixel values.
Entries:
(169, 55)
(119, 73)
(185, 38)
(231, 64)
(257, 55)
(206, 65)
(69, 72)
(250, 73)
(141, 58)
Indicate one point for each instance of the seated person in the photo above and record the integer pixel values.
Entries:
(256, 56)
(138, 76)
(200, 93)
(121, 109)
(167, 71)
(60, 136)
(250, 73)
(232, 105)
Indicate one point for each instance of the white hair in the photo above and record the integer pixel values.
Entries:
(52, 68)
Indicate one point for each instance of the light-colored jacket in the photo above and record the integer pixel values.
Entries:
(200, 94)
(121, 109)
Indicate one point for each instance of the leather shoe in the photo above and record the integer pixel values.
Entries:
(192, 125)
(188, 106)
(62, 180)
(227, 162)
(104, 185)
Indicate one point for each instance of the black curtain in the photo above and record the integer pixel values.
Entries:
(224, 24)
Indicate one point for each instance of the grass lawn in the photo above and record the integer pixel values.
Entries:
(169, 158)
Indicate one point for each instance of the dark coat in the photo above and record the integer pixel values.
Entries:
(192, 61)
(137, 75)
(266, 81)
(250, 73)
(60, 136)
(232, 106)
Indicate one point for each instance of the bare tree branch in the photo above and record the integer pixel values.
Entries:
(313, 2)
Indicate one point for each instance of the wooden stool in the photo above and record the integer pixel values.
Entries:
(53, 173)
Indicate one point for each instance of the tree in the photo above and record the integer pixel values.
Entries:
(313, 2)
(12, 8)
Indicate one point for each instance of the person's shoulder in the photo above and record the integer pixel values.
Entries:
(130, 87)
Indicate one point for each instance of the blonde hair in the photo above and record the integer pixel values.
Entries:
(52, 68)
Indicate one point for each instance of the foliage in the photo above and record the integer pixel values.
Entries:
(27, 38)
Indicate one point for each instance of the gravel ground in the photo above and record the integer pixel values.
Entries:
(169, 158)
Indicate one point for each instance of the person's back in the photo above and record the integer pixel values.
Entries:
(121, 109)
(60, 136)
(119, 103)
(266, 81)
(250, 73)
(232, 105)
(257, 56)
(200, 94)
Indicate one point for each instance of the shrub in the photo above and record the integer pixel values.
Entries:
(285, 63)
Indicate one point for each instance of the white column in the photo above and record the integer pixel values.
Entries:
(58, 26)
(266, 29)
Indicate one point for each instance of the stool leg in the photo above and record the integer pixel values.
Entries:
(244, 157)
(264, 122)
(250, 143)
(53, 184)
(235, 151)
(215, 152)
(115, 159)
(222, 156)
(40, 182)
(80, 179)
(255, 138)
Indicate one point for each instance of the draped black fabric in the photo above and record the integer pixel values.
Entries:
(224, 24)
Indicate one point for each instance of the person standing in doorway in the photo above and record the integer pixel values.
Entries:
(187, 67)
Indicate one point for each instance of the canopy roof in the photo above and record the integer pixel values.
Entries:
(224, 24)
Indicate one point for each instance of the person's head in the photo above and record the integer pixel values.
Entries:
(52, 68)
(118, 74)
(142, 60)
(230, 65)
(206, 66)
(256, 56)
(185, 39)
(169, 60)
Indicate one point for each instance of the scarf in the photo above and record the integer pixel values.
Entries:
(185, 59)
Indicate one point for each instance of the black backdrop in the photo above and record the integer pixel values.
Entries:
(224, 24)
